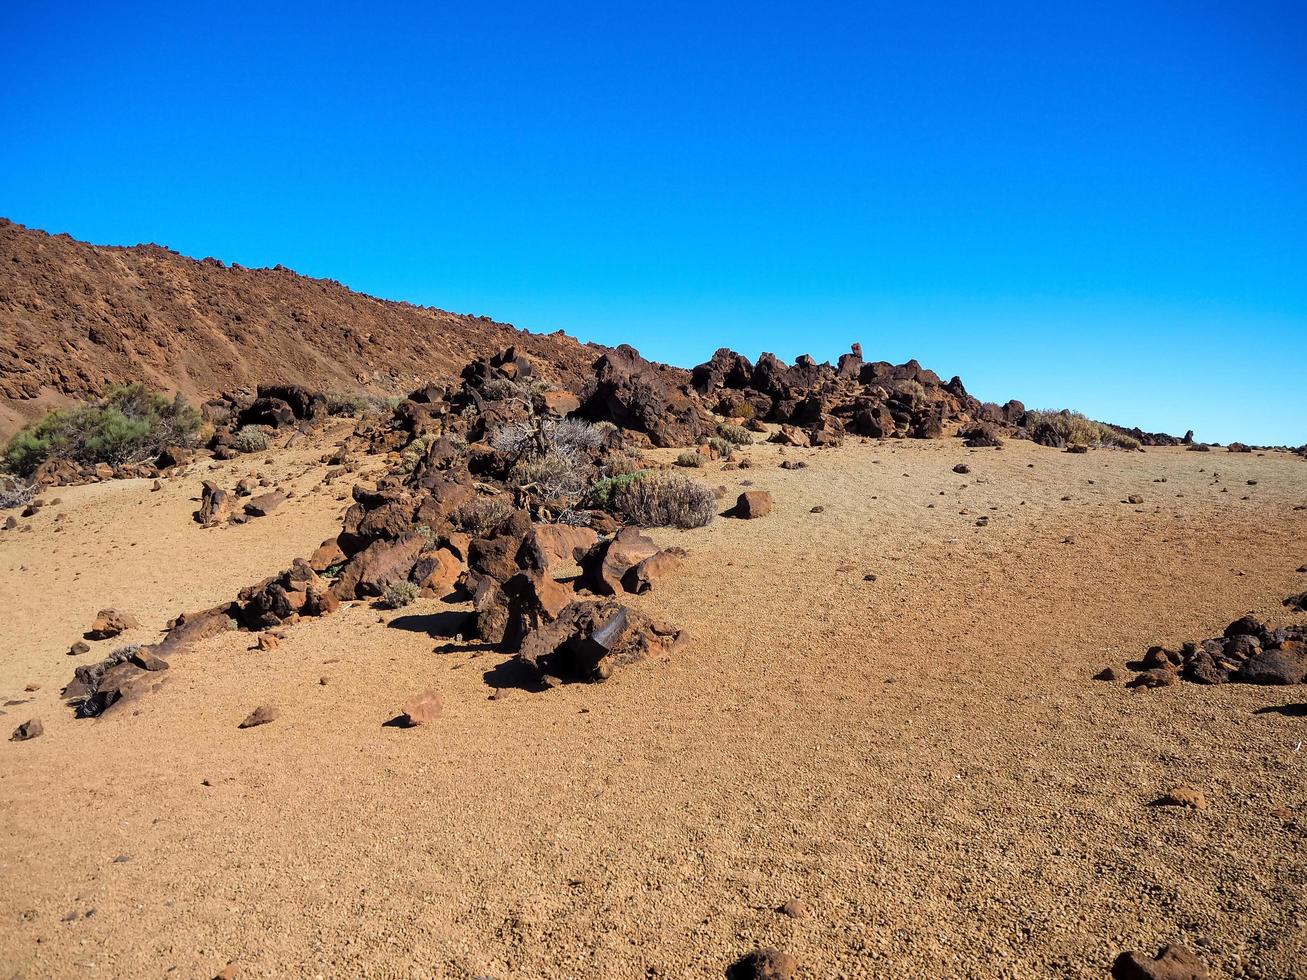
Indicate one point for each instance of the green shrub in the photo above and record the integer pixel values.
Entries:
(347, 403)
(604, 490)
(721, 447)
(250, 439)
(1077, 430)
(664, 500)
(128, 425)
(737, 434)
(397, 595)
(689, 458)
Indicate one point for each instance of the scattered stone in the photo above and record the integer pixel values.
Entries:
(146, 660)
(32, 687)
(1134, 498)
(268, 641)
(1171, 963)
(1184, 795)
(764, 964)
(215, 505)
(260, 716)
(794, 464)
(111, 622)
(753, 504)
(1106, 674)
(27, 730)
(819, 509)
(421, 709)
(1297, 603)
(265, 503)
(589, 640)
(795, 908)
(962, 468)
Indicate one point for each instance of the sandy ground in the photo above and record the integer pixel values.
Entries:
(923, 759)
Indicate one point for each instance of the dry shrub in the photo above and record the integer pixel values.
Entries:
(664, 500)
(483, 516)
(250, 439)
(1078, 430)
(689, 458)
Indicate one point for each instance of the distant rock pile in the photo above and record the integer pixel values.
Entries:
(822, 403)
(1248, 651)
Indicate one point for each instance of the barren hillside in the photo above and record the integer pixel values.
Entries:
(76, 317)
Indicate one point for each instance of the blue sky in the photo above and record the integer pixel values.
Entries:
(1101, 206)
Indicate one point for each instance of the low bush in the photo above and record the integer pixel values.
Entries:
(721, 447)
(1077, 430)
(690, 458)
(347, 403)
(128, 425)
(15, 492)
(737, 434)
(663, 500)
(483, 516)
(605, 489)
(250, 439)
(397, 595)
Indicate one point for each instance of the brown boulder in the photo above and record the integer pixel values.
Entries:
(589, 640)
(421, 709)
(764, 964)
(436, 572)
(327, 555)
(109, 623)
(548, 544)
(753, 503)
(645, 575)
(605, 564)
(215, 505)
(1171, 963)
(377, 566)
(265, 503)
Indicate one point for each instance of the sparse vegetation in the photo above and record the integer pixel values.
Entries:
(737, 434)
(690, 458)
(721, 447)
(250, 439)
(734, 407)
(1077, 430)
(15, 492)
(483, 516)
(129, 425)
(397, 595)
(664, 500)
(605, 489)
(347, 403)
(412, 454)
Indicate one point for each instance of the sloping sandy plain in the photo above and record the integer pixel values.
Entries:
(922, 759)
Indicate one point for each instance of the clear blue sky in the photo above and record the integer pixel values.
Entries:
(1101, 206)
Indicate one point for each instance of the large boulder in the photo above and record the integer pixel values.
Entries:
(605, 564)
(380, 564)
(633, 394)
(589, 640)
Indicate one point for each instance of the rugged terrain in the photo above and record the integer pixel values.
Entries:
(76, 318)
(923, 759)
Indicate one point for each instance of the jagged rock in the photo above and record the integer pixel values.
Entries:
(632, 393)
(1171, 963)
(215, 505)
(261, 715)
(548, 544)
(604, 565)
(646, 574)
(327, 555)
(272, 412)
(109, 623)
(265, 503)
(979, 435)
(437, 571)
(589, 640)
(1247, 651)
(377, 566)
